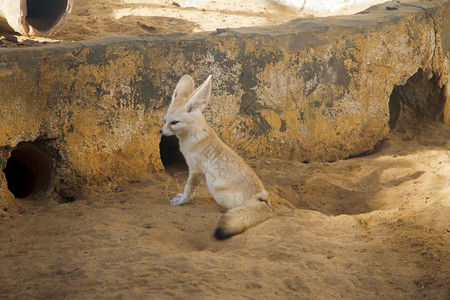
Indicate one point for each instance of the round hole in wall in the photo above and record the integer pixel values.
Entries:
(29, 171)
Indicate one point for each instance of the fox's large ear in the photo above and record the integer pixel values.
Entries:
(201, 96)
(184, 87)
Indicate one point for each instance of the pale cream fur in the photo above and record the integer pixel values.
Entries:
(231, 182)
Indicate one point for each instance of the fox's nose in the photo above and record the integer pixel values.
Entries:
(161, 131)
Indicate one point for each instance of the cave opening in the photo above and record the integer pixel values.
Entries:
(171, 156)
(29, 170)
(419, 100)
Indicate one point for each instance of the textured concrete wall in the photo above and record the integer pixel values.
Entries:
(312, 89)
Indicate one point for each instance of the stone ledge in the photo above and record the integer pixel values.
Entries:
(311, 89)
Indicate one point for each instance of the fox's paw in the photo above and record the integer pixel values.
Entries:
(178, 199)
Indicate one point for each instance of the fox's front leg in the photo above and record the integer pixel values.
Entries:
(192, 182)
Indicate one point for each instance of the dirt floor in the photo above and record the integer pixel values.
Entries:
(96, 18)
(373, 227)
(369, 227)
(90, 19)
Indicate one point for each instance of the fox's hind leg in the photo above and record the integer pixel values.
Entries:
(192, 182)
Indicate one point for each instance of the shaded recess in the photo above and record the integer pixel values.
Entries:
(419, 99)
(171, 156)
(44, 14)
(29, 170)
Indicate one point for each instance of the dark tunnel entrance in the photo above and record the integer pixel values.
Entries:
(171, 156)
(29, 171)
(419, 99)
(44, 14)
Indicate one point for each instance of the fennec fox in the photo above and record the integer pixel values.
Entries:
(231, 182)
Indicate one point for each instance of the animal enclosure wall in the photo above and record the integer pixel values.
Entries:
(311, 89)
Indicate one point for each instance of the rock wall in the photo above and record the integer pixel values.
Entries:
(311, 89)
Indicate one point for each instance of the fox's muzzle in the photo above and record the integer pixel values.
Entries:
(166, 132)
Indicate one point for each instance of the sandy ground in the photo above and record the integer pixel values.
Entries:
(90, 19)
(370, 227)
(96, 18)
(364, 228)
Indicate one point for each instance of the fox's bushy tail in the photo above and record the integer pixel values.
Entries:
(236, 220)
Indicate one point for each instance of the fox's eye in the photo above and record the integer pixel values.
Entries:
(174, 122)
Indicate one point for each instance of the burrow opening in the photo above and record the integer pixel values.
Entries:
(29, 170)
(44, 14)
(171, 156)
(419, 99)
